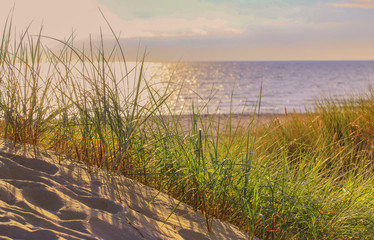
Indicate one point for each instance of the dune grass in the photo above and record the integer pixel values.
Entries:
(309, 176)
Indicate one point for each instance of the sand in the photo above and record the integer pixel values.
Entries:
(42, 199)
(235, 121)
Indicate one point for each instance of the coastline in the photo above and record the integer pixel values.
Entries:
(243, 121)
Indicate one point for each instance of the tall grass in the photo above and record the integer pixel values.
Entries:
(308, 176)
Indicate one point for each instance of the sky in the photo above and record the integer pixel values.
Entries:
(209, 30)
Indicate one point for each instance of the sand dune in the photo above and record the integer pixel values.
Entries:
(41, 199)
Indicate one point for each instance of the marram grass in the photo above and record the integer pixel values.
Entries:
(309, 176)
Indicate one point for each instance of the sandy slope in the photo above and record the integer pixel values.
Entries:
(40, 199)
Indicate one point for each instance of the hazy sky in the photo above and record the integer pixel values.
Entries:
(191, 30)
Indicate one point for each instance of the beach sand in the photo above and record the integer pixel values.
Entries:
(234, 121)
(42, 199)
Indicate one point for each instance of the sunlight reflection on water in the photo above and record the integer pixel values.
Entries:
(291, 85)
(232, 86)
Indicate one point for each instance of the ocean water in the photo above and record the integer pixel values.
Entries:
(236, 86)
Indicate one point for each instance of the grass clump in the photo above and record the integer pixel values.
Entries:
(308, 176)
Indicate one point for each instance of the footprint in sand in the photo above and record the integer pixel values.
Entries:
(38, 165)
(43, 198)
(71, 214)
(101, 204)
(5, 172)
(32, 163)
(5, 193)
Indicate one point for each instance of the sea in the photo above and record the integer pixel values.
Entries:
(268, 87)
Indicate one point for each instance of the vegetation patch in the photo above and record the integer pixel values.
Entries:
(309, 176)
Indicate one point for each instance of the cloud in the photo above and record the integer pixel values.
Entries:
(179, 27)
(57, 18)
(364, 4)
(200, 28)
(283, 23)
(60, 18)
